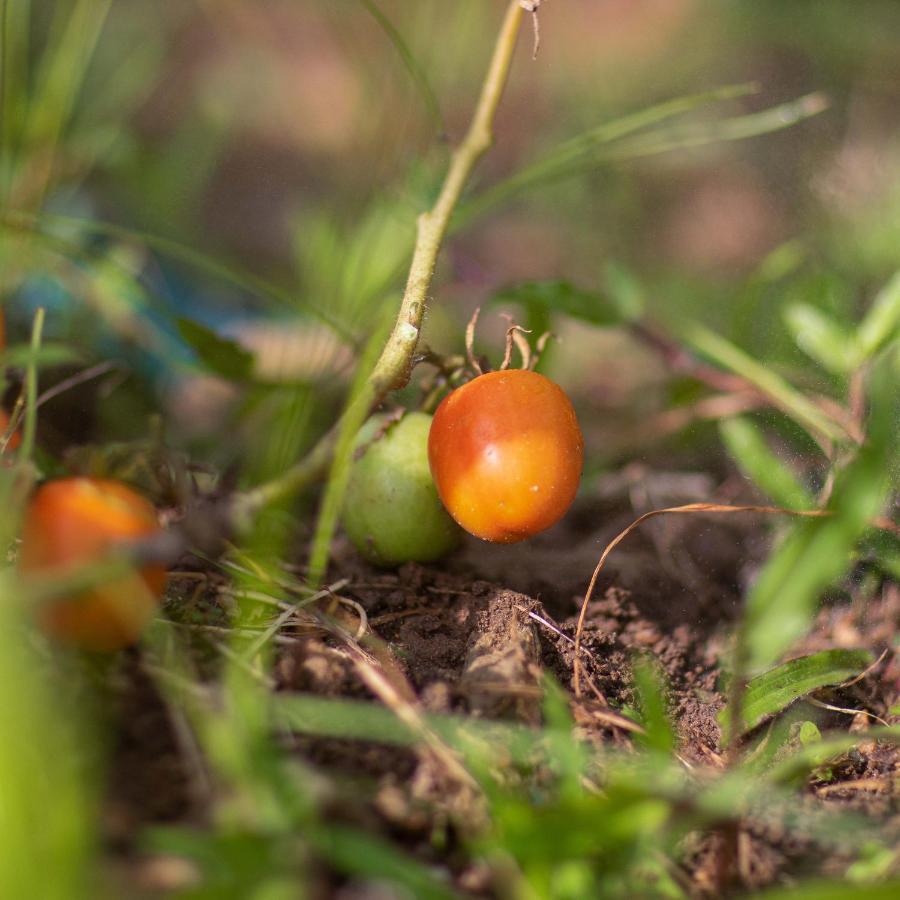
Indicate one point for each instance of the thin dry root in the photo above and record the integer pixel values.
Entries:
(470, 342)
(689, 508)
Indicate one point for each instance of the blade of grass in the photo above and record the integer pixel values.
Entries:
(749, 449)
(416, 72)
(355, 414)
(783, 395)
(821, 338)
(63, 67)
(881, 322)
(364, 721)
(614, 142)
(363, 855)
(781, 603)
(776, 689)
(26, 449)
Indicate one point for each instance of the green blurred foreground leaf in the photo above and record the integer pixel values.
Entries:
(772, 691)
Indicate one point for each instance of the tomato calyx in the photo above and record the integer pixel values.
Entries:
(453, 371)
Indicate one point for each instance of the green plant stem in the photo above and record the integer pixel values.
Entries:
(31, 388)
(394, 366)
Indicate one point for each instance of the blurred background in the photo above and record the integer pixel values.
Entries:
(256, 167)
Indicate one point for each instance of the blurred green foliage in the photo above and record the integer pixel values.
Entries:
(176, 175)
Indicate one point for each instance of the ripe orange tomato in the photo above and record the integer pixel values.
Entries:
(72, 522)
(506, 454)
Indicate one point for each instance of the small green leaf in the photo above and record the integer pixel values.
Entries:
(747, 446)
(772, 691)
(882, 322)
(820, 337)
(564, 297)
(808, 733)
(221, 356)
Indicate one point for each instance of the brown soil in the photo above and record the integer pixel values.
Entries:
(474, 635)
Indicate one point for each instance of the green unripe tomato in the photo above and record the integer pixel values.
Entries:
(392, 511)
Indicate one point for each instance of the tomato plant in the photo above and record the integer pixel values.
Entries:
(506, 454)
(72, 522)
(392, 511)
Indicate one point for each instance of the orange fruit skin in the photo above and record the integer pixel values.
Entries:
(75, 521)
(506, 454)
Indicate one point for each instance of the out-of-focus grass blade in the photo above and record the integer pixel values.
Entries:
(772, 691)
(63, 67)
(48, 811)
(782, 601)
(353, 851)
(15, 38)
(49, 354)
(831, 890)
(412, 65)
(749, 449)
(659, 735)
(882, 322)
(618, 140)
(355, 413)
(821, 338)
(363, 721)
(736, 128)
(725, 354)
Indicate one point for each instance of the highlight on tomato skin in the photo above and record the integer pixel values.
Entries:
(72, 522)
(506, 454)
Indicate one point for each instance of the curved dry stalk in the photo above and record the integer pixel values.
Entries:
(878, 522)
(689, 508)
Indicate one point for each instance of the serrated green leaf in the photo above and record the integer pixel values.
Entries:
(772, 691)
(220, 355)
(821, 338)
(564, 297)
